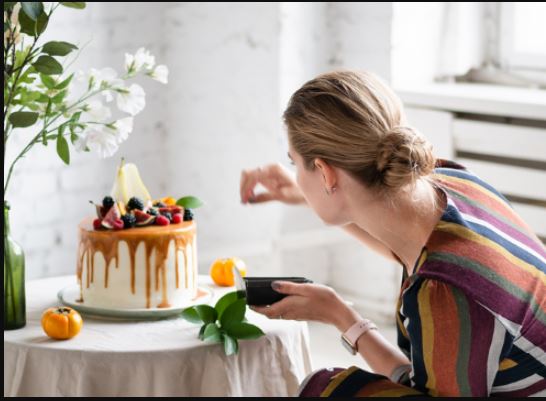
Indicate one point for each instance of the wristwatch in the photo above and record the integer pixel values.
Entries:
(350, 338)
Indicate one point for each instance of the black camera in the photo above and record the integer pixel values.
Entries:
(258, 290)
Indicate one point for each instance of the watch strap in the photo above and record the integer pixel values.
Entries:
(351, 336)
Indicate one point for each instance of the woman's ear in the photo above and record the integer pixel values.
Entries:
(328, 173)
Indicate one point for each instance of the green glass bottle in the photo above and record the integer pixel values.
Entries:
(14, 279)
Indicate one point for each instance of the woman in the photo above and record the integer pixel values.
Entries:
(472, 309)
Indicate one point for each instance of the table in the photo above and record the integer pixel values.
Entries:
(149, 358)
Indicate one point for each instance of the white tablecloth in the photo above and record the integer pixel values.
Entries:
(159, 358)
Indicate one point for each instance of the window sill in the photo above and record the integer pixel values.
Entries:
(476, 98)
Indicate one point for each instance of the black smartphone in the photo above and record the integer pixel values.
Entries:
(259, 291)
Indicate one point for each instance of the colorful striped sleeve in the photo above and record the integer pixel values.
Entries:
(456, 348)
(456, 344)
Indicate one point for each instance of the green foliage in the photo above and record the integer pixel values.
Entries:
(48, 65)
(58, 48)
(32, 8)
(74, 4)
(34, 89)
(22, 119)
(33, 26)
(62, 147)
(225, 323)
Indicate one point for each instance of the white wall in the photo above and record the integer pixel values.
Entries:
(232, 69)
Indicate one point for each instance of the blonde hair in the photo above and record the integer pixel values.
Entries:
(354, 121)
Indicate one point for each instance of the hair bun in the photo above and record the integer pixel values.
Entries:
(403, 155)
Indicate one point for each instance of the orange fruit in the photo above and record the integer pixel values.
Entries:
(168, 200)
(61, 323)
(221, 271)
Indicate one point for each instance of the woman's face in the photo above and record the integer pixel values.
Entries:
(312, 183)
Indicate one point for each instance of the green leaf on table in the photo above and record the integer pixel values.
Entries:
(62, 148)
(80, 5)
(48, 81)
(189, 314)
(231, 346)
(55, 48)
(244, 331)
(212, 333)
(206, 313)
(225, 301)
(202, 332)
(234, 313)
(189, 202)
(21, 119)
(32, 8)
(48, 65)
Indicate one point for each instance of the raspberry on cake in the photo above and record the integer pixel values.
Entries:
(134, 254)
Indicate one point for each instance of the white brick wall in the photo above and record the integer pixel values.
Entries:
(232, 68)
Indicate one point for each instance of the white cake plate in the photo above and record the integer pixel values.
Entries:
(69, 296)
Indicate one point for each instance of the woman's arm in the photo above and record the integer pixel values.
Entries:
(281, 186)
(321, 303)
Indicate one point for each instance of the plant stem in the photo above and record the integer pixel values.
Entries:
(35, 139)
(10, 98)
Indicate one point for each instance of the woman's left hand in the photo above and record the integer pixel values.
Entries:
(313, 302)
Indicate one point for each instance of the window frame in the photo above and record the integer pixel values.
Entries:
(510, 59)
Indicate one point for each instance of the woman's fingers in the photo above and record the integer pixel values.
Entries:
(260, 198)
(280, 309)
(290, 288)
(249, 179)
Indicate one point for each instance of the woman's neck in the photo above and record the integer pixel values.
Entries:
(403, 224)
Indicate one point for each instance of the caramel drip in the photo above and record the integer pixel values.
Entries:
(155, 238)
(149, 250)
(176, 270)
(195, 272)
(185, 268)
(132, 251)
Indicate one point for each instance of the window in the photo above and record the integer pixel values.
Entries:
(523, 36)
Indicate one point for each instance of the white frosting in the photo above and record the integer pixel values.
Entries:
(118, 293)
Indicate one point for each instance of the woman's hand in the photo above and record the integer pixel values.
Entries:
(277, 180)
(314, 302)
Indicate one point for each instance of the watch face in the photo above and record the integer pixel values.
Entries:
(348, 345)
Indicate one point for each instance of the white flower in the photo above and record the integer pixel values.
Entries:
(123, 127)
(142, 59)
(104, 79)
(98, 138)
(132, 99)
(160, 73)
(96, 111)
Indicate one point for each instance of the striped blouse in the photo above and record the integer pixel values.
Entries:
(472, 315)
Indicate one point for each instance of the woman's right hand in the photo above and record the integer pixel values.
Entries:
(277, 180)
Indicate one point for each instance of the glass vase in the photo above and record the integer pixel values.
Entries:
(14, 279)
